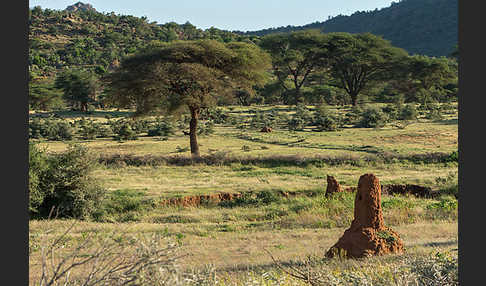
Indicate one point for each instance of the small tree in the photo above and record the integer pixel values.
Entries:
(80, 87)
(359, 60)
(43, 95)
(188, 75)
(295, 57)
(428, 75)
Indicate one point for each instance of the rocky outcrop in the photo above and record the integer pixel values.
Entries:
(80, 7)
(367, 235)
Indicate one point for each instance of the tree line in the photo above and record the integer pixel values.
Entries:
(304, 67)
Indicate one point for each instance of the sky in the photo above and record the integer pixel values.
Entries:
(241, 15)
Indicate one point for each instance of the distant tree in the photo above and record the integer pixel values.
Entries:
(80, 87)
(186, 75)
(295, 56)
(44, 96)
(359, 60)
(426, 75)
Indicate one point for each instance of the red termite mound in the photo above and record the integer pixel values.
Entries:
(332, 186)
(367, 235)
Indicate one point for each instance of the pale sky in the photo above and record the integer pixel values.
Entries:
(243, 15)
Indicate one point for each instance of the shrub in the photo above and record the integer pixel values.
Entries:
(88, 129)
(261, 120)
(66, 184)
(296, 123)
(372, 117)
(354, 115)
(205, 128)
(51, 129)
(392, 110)
(325, 120)
(408, 112)
(434, 112)
(38, 166)
(161, 128)
(125, 132)
(217, 115)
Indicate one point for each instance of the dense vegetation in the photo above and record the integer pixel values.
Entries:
(420, 27)
(71, 52)
(98, 41)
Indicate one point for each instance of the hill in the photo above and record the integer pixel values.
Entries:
(79, 36)
(427, 27)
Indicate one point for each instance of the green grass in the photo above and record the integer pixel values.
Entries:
(144, 172)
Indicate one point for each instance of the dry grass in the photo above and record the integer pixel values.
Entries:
(240, 252)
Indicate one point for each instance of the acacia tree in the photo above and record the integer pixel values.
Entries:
(422, 76)
(80, 87)
(296, 56)
(359, 60)
(186, 75)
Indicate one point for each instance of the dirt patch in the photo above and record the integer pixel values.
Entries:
(332, 187)
(367, 235)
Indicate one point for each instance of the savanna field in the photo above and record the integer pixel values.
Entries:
(282, 224)
(167, 154)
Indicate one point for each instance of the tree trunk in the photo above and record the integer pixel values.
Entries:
(84, 107)
(192, 132)
(354, 99)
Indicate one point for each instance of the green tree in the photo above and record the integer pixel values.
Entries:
(186, 75)
(80, 87)
(423, 77)
(44, 96)
(359, 60)
(295, 56)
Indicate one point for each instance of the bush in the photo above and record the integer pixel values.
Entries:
(408, 112)
(51, 129)
(354, 115)
(217, 115)
(325, 120)
(38, 166)
(64, 181)
(372, 117)
(393, 110)
(261, 120)
(87, 129)
(434, 112)
(205, 128)
(161, 128)
(125, 132)
(296, 123)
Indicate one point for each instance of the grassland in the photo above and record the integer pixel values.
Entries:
(232, 236)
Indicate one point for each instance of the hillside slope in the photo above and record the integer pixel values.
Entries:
(59, 39)
(427, 27)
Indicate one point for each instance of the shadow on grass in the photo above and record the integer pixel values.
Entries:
(436, 244)
(74, 114)
(453, 121)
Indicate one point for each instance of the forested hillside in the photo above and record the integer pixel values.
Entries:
(427, 27)
(98, 41)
